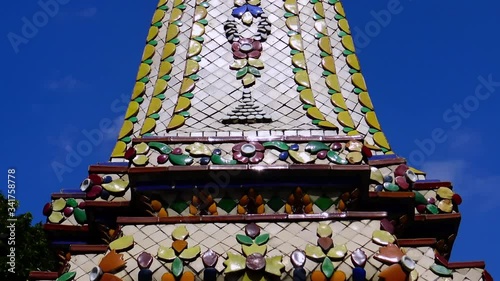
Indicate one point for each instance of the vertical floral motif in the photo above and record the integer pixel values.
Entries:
(179, 252)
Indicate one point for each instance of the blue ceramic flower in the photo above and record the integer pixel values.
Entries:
(256, 11)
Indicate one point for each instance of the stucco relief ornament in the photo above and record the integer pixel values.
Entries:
(246, 53)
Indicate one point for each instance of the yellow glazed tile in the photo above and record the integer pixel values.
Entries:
(299, 60)
(238, 64)
(320, 26)
(141, 148)
(176, 14)
(295, 42)
(126, 129)
(381, 140)
(139, 89)
(234, 262)
(306, 96)
(190, 253)
(187, 85)
(302, 157)
(371, 119)
(314, 252)
(328, 63)
(149, 51)
(383, 237)
(274, 265)
(314, 113)
(158, 16)
(122, 243)
(172, 32)
(183, 103)
(337, 252)
(249, 79)
(153, 32)
(199, 149)
(194, 48)
(148, 126)
(359, 81)
(166, 253)
(58, 205)
(154, 106)
(332, 82)
(192, 67)
(318, 8)
(160, 87)
(348, 43)
(197, 30)
(445, 192)
(339, 9)
(144, 70)
(365, 100)
(178, 2)
(327, 124)
(176, 122)
(168, 50)
(133, 108)
(302, 78)
(345, 119)
(344, 25)
(116, 186)
(338, 101)
(162, 3)
(180, 233)
(165, 68)
(324, 45)
(353, 62)
(254, 2)
(324, 230)
(119, 149)
(56, 217)
(293, 23)
(140, 160)
(291, 6)
(200, 13)
(257, 63)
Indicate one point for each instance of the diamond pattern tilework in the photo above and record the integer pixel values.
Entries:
(284, 238)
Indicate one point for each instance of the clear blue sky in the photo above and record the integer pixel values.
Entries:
(72, 72)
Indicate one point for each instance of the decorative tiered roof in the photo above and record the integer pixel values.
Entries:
(251, 146)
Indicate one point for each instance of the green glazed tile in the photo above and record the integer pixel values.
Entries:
(179, 205)
(219, 160)
(432, 208)
(441, 270)
(334, 157)
(181, 160)
(227, 204)
(279, 145)
(316, 146)
(177, 267)
(243, 239)
(160, 147)
(419, 198)
(71, 202)
(262, 239)
(80, 215)
(327, 267)
(275, 203)
(68, 276)
(324, 203)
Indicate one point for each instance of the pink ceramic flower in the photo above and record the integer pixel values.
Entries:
(246, 48)
(245, 152)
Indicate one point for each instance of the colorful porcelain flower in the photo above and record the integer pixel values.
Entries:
(245, 152)
(247, 48)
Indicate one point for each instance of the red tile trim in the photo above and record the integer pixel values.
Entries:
(82, 249)
(60, 227)
(466, 264)
(43, 275)
(418, 242)
(106, 204)
(255, 218)
(75, 195)
(97, 169)
(419, 217)
(431, 185)
(399, 194)
(387, 162)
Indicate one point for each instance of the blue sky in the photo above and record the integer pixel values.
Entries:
(422, 65)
